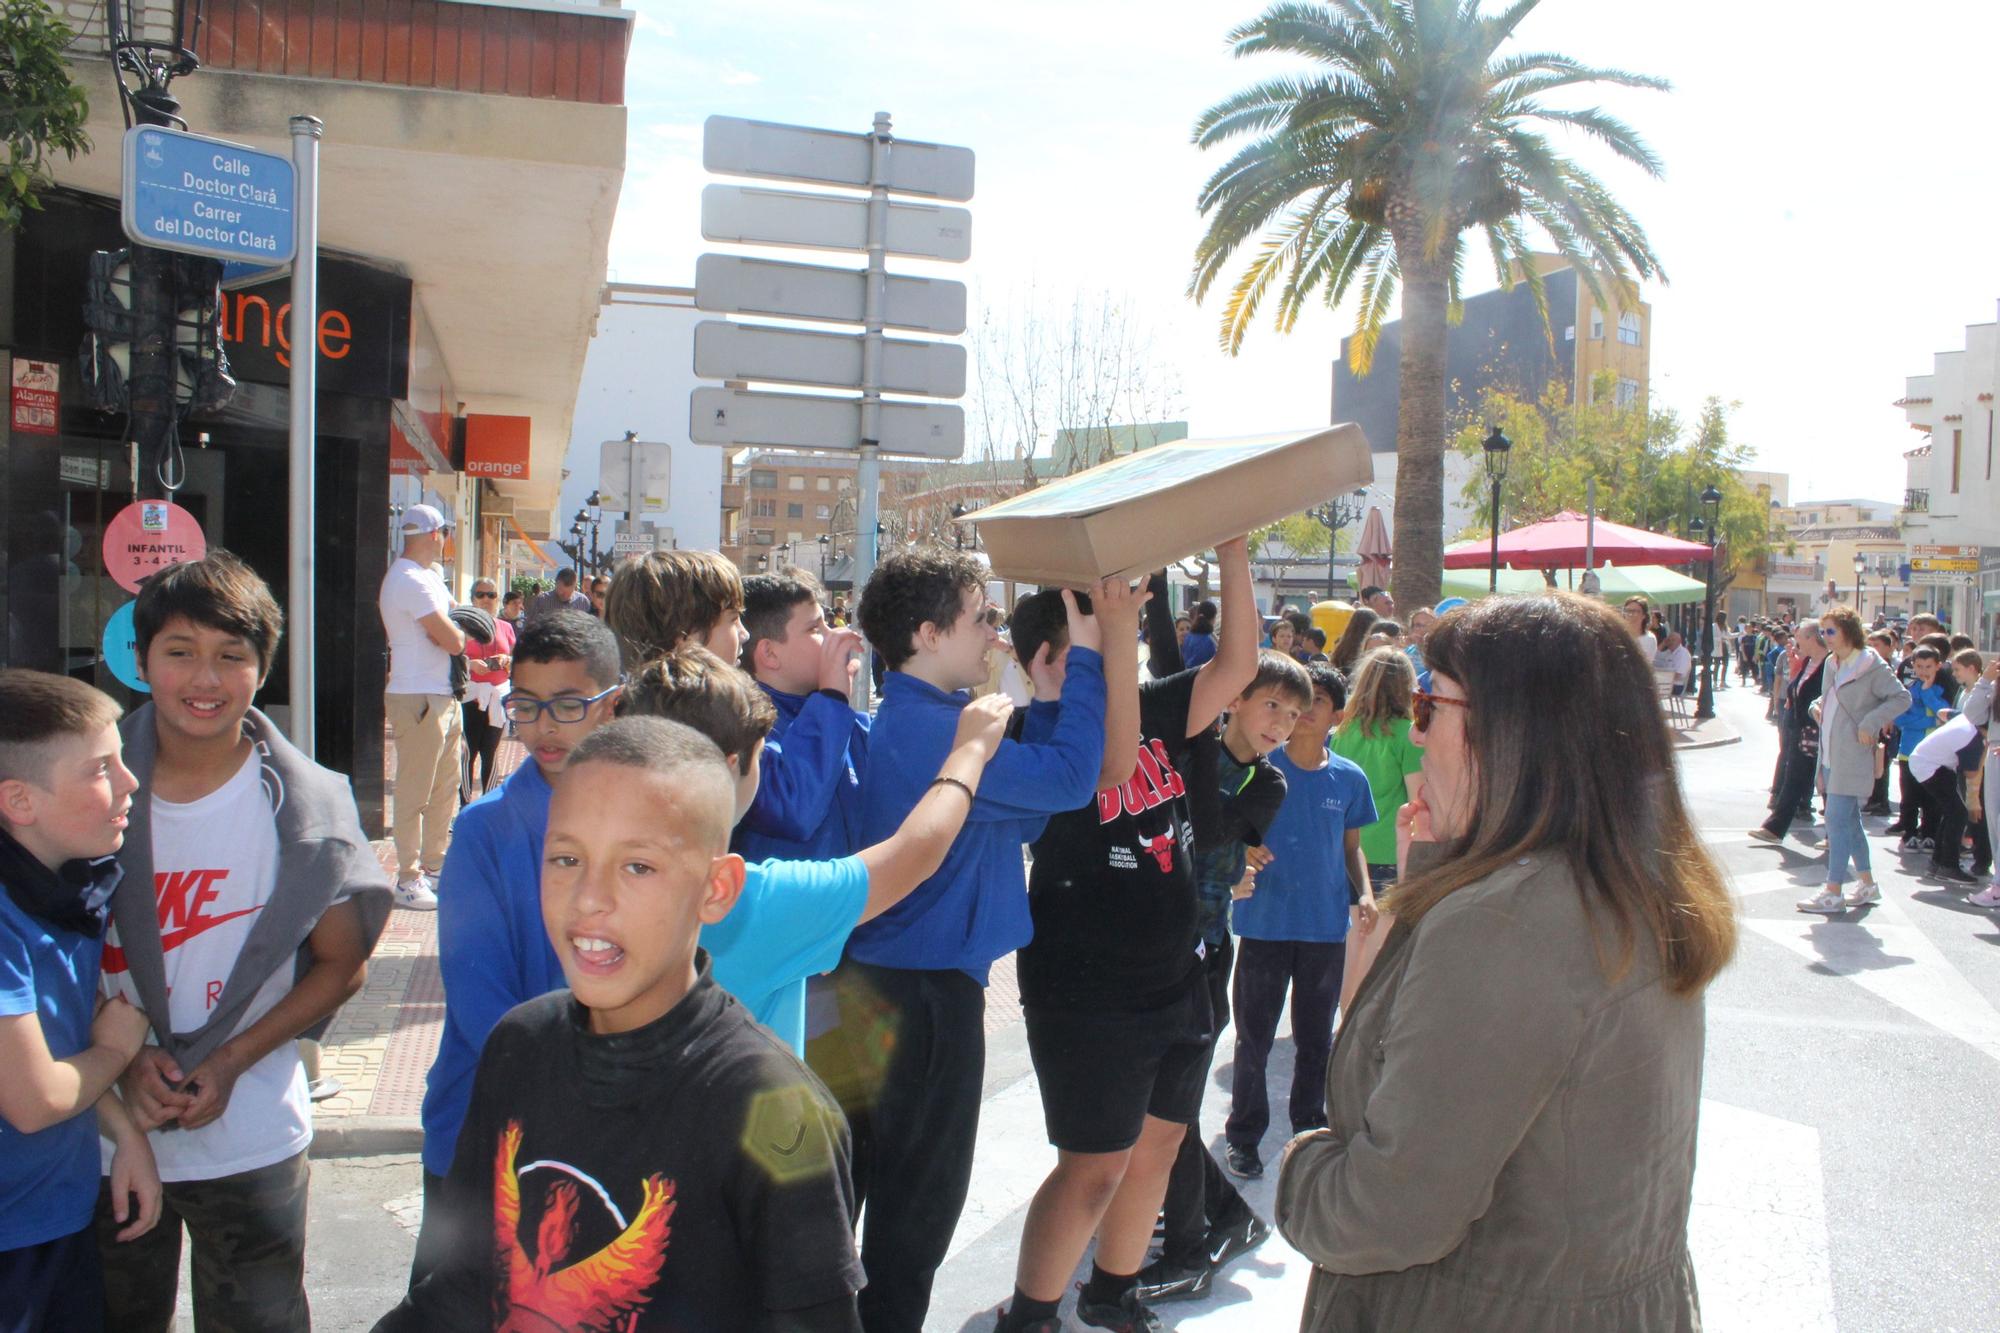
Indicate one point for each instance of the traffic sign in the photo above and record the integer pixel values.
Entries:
(726, 351)
(733, 285)
(747, 215)
(743, 417)
(735, 147)
(206, 196)
(636, 543)
(626, 465)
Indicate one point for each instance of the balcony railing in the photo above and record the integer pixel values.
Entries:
(1917, 502)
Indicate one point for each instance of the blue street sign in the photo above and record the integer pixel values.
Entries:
(208, 197)
(236, 274)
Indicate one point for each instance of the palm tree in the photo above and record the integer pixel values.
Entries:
(1373, 166)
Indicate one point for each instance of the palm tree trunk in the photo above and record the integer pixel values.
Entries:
(1418, 567)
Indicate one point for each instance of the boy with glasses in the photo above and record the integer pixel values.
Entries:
(492, 951)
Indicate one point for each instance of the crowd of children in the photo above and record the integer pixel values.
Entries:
(714, 955)
(1939, 746)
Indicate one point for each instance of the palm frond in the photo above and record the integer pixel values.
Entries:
(1378, 288)
(1612, 132)
(1328, 101)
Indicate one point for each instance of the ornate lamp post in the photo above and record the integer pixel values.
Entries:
(1860, 568)
(824, 542)
(1496, 446)
(1340, 512)
(1711, 500)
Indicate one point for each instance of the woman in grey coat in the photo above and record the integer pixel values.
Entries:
(1858, 697)
(1512, 1100)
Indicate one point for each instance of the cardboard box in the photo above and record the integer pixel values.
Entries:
(1141, 512)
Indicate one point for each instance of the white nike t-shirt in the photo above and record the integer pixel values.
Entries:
(215, 864)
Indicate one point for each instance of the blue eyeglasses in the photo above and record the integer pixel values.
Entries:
(568, 709)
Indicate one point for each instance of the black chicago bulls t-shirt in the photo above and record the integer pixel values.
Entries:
(1112, 888)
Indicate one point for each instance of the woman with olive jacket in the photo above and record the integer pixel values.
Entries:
(1512, 1100)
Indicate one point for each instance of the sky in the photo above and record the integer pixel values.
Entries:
(1825, 219)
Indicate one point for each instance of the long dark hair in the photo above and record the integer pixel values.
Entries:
(1573, 756)
(1349, 647)
(1202, 619)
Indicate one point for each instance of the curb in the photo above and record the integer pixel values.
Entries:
(1717, 743)
(367, 1136)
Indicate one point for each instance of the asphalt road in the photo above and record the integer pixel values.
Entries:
(1847, 1177)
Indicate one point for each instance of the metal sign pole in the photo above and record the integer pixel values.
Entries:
(868, 476)
(306, 132)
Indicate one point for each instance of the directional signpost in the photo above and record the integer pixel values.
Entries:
(866, 362)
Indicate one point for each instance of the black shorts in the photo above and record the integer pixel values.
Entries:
(1102, 1072)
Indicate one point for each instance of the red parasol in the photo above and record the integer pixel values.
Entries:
(1559, 543)
(1373, 548)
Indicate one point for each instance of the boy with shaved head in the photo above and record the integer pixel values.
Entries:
(638, 1151)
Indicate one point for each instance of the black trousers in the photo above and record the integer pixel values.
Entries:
(906, 1064)
(1795, 787)
(1916, 813)
(1941, 792)
(482, 742)
(1265, 971)
(1199, 1195)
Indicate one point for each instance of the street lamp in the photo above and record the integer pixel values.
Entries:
(1711, 500)
(1496, 446)
(957, 528)
(824, 542)
(1335, 514)
(1860, 568)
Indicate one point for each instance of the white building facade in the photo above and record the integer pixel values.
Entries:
(1952, 498)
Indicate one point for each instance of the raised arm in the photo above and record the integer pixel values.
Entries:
(913, 853)
(1059, 774)
(1163, 649)
(802, 770)
(1116, 605)
(1234, 666)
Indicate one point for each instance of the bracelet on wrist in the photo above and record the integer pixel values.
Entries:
(953, 782)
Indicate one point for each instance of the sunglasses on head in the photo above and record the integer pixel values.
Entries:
(1423, 707)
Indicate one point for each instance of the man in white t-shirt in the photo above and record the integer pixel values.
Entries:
(249, 904)
(423, 716)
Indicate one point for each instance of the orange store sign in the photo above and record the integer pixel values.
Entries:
(496, 446)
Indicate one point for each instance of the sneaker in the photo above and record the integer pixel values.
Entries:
(1229, 1243)
(1951, 875)
(1986, 897)
(415, 895)
(1864, 894)
(1243, 1161)
(1909, 842)
(1129, 1315)
(1926, 844)
(1164, 1281)
(1762, 834)
(1827, 903)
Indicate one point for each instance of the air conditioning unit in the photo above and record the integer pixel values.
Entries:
(495, 505)
(536, 523)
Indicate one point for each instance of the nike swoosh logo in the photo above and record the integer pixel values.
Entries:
(798, 1142)
(114, 957)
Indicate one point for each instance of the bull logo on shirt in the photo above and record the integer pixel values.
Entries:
(601, 1293)
(1153, 782)
(1161, 845)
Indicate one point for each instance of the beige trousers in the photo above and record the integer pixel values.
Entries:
(426, 728)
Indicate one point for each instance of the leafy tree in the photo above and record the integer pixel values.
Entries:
(1649, 466)
(41, 108)
(1410, 132)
